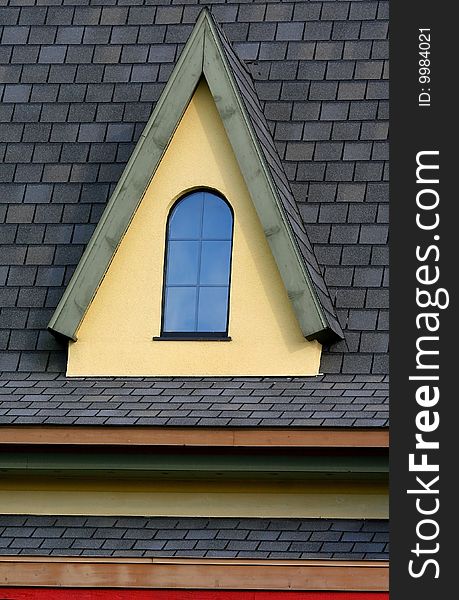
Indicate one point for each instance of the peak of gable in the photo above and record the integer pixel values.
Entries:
(208, 54)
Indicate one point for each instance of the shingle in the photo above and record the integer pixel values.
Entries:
(346, 30)
(323, 90)
(124, 34)
(10, 15)
(12, 132)
(316, 131)
(368, 69)
(363, 110)
(377, 298)
(306, 110)
(334, 111)
(295, 51)
(59, 15)
(346, 131)
(42, 34)
(357, 49)
(50, 276)
(332, 213)
(39, 255)
(374, 342)
(286, 70)
(289, 131)
(151, 34)
(16, 93)
(117, 73)
(16, 153)
(316, 30)
(380, 151)
(307, 11)
(339, 276)
(373, 234)
(178, 33)
(376, 130)
(356, 255)
(380, 50)
(166, 15)
(33, 361)
(339, 171)
(10, 73)
(351, 90)
(368, 277)
(377, 90)
(363, 10)
(9, 361)
(132, 54)
(357, 151)
(141, 73)
(19, 213)
(357, 363)
(373, 30)
(69, 35)
(139, 15)
(310, 70)
(299, 151)
(262, 31)
(311, 171)
(91, 132)
(292, 31)
(362, 213)
(276, 12)
(52, 54)
(112, 15)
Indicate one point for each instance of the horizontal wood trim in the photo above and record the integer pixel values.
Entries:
(101, 594)
(163, 573)
(165, 436)
(182, 504)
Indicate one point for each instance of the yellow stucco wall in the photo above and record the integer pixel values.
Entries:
(344, 500)
(115, 336)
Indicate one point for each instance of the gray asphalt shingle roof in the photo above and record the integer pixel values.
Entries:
(194, 537)
(77, 85)
(324, 401)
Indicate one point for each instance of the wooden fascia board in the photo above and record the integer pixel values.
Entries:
(240, 465)
(157, 573)
(261, 187)
(131, 187)
(194, 437)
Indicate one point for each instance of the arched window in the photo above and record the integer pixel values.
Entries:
(198, 265)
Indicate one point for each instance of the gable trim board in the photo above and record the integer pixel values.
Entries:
(173, 573)
(208, 54)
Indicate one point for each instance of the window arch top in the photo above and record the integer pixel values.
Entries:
(198, 266)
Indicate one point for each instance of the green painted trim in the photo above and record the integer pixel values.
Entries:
(202, 55)
(130, 189)
(196, 465)
(262, 189)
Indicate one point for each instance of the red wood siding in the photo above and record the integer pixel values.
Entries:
(79, 594)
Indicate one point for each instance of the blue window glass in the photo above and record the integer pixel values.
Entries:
(198, 266)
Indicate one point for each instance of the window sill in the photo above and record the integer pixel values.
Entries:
(181, 338)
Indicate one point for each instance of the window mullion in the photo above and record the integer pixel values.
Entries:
(198, 288)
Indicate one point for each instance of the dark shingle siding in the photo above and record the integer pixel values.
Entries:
(330, 401)
(199, 537)
(90, 76)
